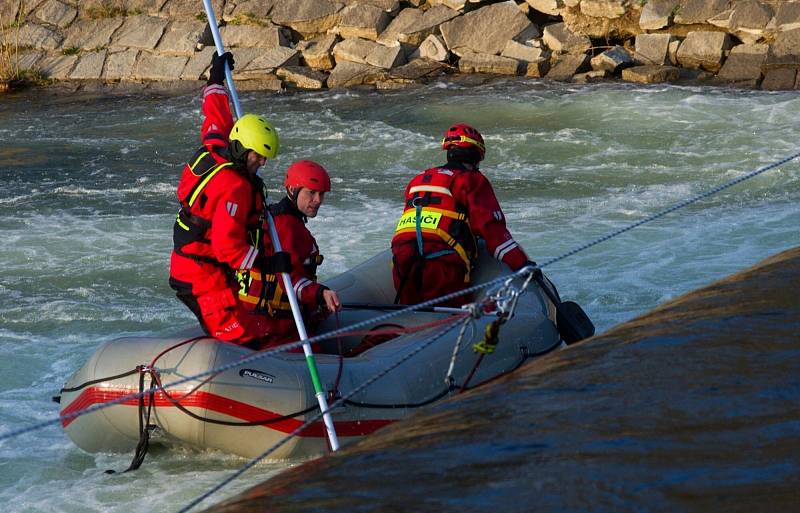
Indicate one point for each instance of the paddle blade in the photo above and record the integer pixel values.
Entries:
(573, 323)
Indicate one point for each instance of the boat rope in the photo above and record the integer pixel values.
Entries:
(524, 272)
(317, 416)
(470, 321)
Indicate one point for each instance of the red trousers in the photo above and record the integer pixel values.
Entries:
(417, 279)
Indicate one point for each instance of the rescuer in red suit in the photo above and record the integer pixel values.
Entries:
(306, 184)
(217, 230)
(446, 208)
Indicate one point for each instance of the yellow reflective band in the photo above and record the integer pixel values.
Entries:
(206, 180)
(194, 164)
(427, 219)
(181, 223)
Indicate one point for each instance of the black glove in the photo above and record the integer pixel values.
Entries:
(537, 273)
(217, 73)
(280, 262)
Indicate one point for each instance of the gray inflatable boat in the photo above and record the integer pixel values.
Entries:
(250, 407)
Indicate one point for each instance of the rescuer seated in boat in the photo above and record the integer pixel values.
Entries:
(434, 246)
(221, 205)
(306, 185)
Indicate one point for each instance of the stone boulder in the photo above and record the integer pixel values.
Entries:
(180, 37)
(525, 53)
(302, 77)
(610, 9)
(704, 50)
(691, 12)
(561, 39)
(779, 79)
(386, 56)
(651, 74)
(253, 36)
(412, 26)
(471, 62)
(55, 13)
(389, 6)
(657, 14)
(567, 66)
(198, 65)
(89, 66)
(347, 74)
(57, 67)
(253, 9)
(141, 31)
(267, 61)
(91, 34)
(353, 50)
(318, 52)
(158, 67)
(747, 20)
(37, 36)
(653, 48)
(787, 17)
(485, 30)
(308, 17)
(456, 5)
(785, 51)
(744, 63)
(364, 21)
(551, 7)
(612, 60)
(433, 48)
(120, 65)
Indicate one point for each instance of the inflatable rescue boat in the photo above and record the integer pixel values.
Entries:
(248, 408)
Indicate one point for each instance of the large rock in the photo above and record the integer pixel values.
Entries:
(386, 56)
(779, 79)
(267, 61)
(485, 30)
(389, 6)
(610, 9)
(198, 65)
(120, 65)
(57, 66)
(37, 36)
(744, 63)
(488, 63)
(308, 17)
(353, 50)
(302, 77)
(158, 67)
(561, 39)
(612, 60)
(318, 52)
(91, 34)
(433, 48)
(523, 52)
(650, 74)
(412, 26)
(348, 73)
(551, 7)
(365, 21)
(657, 14)
(568, 65)
(785, 51)
(690, 12)
(140, 31)
(653, 48)
(747, 20)
(253, 36)
(253, 9)
(181, 37)
(787, 17)
(54, 13)
(704, 50)
(89, 66)
(457, 5)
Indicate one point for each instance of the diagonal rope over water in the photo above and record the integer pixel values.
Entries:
(522, 272)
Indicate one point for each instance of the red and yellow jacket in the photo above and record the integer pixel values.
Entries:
(447, 208)
(216, 230)
(295, 239)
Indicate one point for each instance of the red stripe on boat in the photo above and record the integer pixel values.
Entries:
(220, 404)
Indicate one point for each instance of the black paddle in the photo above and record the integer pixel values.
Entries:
(572, 322)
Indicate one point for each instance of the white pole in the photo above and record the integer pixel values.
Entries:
(287, 280)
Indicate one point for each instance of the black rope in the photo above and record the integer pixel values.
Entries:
(99, 380)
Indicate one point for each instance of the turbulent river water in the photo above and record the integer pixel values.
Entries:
(87, 204)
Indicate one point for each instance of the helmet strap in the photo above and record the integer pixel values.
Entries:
(292, 192)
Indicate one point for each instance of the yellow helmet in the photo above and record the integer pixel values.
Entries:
(257, 134)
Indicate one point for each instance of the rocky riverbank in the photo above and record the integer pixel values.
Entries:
(315, 44)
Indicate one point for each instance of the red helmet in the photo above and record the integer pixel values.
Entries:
(308, 174)
(462, 135)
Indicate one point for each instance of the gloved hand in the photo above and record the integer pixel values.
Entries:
(537, 273)
(280, 262)
(217, 73)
